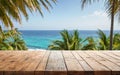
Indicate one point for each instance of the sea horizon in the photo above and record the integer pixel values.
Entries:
(41, 39)
(65, 29)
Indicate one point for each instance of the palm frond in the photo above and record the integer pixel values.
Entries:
(14, 8)
(86, 2)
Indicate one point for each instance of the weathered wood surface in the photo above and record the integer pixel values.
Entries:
(59, 62)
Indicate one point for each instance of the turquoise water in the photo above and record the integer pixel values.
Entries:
(41, 39)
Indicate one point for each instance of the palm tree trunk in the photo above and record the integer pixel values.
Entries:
(112, 25)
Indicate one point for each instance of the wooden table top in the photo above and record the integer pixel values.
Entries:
(59, 62)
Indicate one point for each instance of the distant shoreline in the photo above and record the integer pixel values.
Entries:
(36, 49)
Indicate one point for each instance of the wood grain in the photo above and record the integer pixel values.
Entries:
(55, 64)
(73, 66)
(59, 62)
(40, 70)
(88, 70)
(109, 62)
(98, 68)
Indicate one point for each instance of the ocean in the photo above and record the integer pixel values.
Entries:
(41, 39)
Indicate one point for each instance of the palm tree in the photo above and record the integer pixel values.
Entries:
(112, 6)
(89, 44)
(103, 40)
(16, 8)
(11, 40)
(16, 40)
(116, 41)
(3, 44)
(68, 42)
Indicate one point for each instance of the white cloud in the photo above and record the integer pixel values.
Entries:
(97, 20)
(100, 13)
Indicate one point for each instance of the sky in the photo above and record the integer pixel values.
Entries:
(67, 14)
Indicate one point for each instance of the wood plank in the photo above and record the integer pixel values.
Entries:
(59, 62)
(107, 61)
(109, 58)
(22, 65)
(6, 61)
(112, 57)
(40, 70)
(55, 65)
(98, 68)
(35, 61)
(18, 67)
(5, 56)
(3, 60)
(28, 67)
(1, 72)
(116, 53)
(12, 67)
(88, 70)
(73, 66)
(111, 54)
(26, 60)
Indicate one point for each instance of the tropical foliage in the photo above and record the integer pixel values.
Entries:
(16, 8)
(12, 10)
(74, 42)
(90, 44)
(103, 40)
(11, 40)
(113, 8)
(116, 41)
(68, 42)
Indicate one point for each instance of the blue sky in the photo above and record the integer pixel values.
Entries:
(67, 14)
